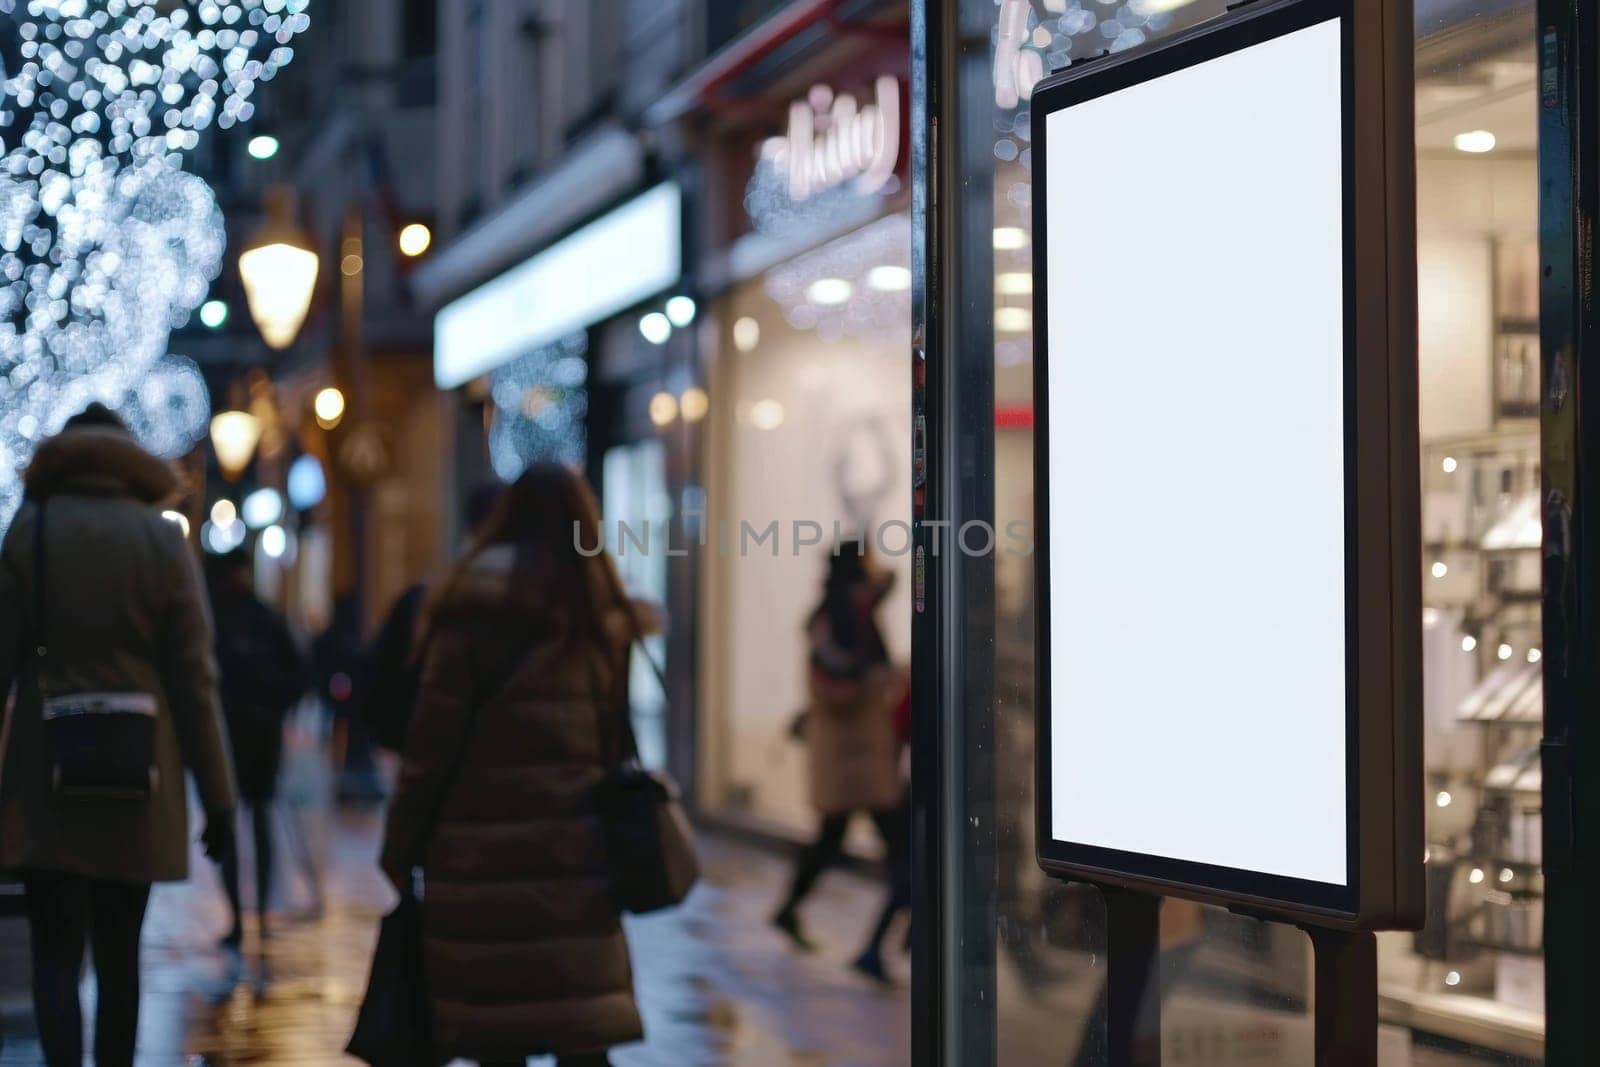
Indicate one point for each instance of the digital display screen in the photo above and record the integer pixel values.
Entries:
(1197, 523)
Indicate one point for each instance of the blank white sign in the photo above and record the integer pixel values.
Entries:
(1197, 504)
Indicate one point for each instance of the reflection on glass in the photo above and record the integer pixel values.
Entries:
(1467, 989)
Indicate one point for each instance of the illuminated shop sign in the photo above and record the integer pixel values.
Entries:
(833, 140)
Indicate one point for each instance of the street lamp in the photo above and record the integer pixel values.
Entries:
(329, 408)
(279, 270)
(234, 435)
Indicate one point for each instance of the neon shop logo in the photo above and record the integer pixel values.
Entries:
(834, 140)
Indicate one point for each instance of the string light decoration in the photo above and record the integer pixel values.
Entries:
(540, 402)
(170, 407)
(106, 245)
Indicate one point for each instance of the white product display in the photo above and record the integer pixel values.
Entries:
(1197, 519)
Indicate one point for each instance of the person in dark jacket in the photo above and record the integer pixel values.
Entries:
(125, 623)
(394, 662)
(516, 727)
(263, 677)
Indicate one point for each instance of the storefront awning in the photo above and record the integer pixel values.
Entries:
(591, 176)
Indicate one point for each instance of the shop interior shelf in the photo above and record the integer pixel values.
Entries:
(1505, 946)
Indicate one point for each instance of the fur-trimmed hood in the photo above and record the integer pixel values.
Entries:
(486, 584)
(99, 461)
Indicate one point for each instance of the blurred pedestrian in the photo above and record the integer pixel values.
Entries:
(526, 645)
(395, 660)
(849, 733)
(105, 634)
(339, 657)
(263, 677)
(895, 827)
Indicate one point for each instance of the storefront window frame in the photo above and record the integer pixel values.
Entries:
(954, 932)
(1568, 162)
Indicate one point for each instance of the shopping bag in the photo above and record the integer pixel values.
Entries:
(394, 1027)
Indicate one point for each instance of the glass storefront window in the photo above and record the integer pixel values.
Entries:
(1469, 987)
(635, 497)
(809, 441)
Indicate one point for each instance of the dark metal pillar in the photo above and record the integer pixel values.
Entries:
(953, 824)
(1133, 978)
(1569, 193)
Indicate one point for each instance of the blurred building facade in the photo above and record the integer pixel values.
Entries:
(344, 140)
(574, 139)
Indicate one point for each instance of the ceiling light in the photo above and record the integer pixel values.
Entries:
(1010, 238)
(766, 414)
(1014, 283)
(829, 291)
(1449, 465)
(328, 406)
(655, 328)
(1148, 8)
(274, 542)
(260, 509)
(233, 437)
(307, 483)
(221, 538)
(1534, 655)
(889, 279)
(746, 334)
(213, 314)
(694, 403)
(262, 146)
(1505, 652)
(223, 513)
(1468, 643)
(1475, 141)
(1013, 320)
(663, 408)
(680, 311)
(415, 239)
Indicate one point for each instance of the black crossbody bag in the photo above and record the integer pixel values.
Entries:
(101, 745)
(650, 853)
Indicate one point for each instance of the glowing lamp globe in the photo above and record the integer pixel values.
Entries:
(234, 435)
(279, 271)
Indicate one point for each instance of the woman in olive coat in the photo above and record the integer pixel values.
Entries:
(125, 613)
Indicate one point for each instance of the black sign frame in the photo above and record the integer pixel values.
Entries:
(1384, 791)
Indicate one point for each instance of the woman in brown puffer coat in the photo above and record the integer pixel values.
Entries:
(525, 648)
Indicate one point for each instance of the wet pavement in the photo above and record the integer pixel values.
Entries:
(716, 984)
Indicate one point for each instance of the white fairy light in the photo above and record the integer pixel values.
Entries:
(106, 245)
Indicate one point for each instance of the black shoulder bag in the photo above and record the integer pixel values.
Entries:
(394, 1027)
(650, 855)
(102, 746)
